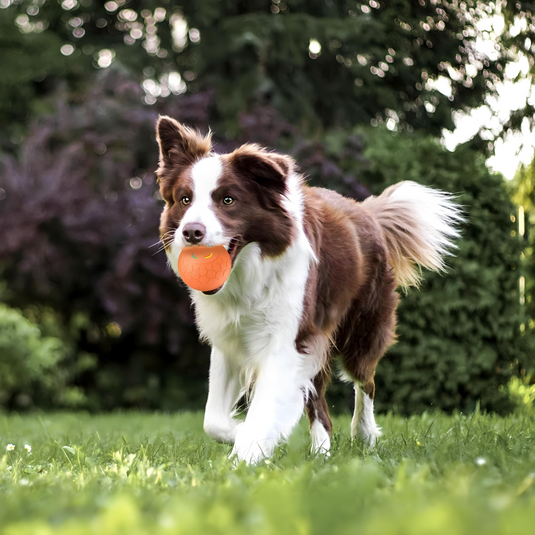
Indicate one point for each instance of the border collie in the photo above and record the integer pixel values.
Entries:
(313, 274)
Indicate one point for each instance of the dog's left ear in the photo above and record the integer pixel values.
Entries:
(180, 145)
(267, 169)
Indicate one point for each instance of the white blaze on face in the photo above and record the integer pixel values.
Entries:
(205, 176)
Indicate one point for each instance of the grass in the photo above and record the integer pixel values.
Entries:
(152, 473)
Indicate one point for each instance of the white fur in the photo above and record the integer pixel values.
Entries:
(321, 441)
(252, 324)
(363, 424)
(254, 320)
(276, 406)
(436, 214)
(293, 203)
(205, 176)
(224, 392)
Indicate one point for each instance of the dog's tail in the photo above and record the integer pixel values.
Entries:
(419, 225)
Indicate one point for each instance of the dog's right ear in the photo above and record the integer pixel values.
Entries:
(180, 146)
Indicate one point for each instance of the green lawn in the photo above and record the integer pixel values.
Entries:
(151, 473)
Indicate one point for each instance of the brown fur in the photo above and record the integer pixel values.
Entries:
(180, 147)
(255, 178)
(351, 298)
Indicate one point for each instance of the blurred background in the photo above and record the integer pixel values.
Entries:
(362, 94)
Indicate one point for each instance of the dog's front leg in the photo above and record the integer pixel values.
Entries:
(275, 409)
(223, 394)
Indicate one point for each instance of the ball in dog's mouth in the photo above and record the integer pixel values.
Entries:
(232, 250)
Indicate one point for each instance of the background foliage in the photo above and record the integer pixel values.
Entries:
(459, 336)
(35, 368)
(83, 85)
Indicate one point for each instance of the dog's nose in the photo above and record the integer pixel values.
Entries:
(194, 232)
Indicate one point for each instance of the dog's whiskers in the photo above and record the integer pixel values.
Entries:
(165, 241)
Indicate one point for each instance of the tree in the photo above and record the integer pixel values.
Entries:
(320, 63)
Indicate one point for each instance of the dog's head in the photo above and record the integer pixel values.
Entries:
(211, 199)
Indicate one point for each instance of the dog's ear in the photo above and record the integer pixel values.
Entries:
(267, 169)
(180, 146)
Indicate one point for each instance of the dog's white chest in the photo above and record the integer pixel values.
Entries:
(259, 310)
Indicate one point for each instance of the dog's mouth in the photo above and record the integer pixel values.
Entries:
(234, 247)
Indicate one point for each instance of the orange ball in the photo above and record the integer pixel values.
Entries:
(204, 268)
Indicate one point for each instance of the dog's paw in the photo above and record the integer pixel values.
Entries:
(220, 431)
(251, 448)
(369, 435)
(320, 439)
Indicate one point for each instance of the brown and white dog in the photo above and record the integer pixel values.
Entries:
(313, 273)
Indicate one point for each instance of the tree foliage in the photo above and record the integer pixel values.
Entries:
(320, 63)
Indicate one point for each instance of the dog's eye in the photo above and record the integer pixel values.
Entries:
(228, 200)
(185, 200)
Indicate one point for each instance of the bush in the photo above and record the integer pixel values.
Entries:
(521, 391)
(459, 335)
(32, 370)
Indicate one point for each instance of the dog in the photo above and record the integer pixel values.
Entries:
(314, 275)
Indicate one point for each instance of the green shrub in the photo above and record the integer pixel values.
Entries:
(32, 367)
(522, 393)
(459, 335)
